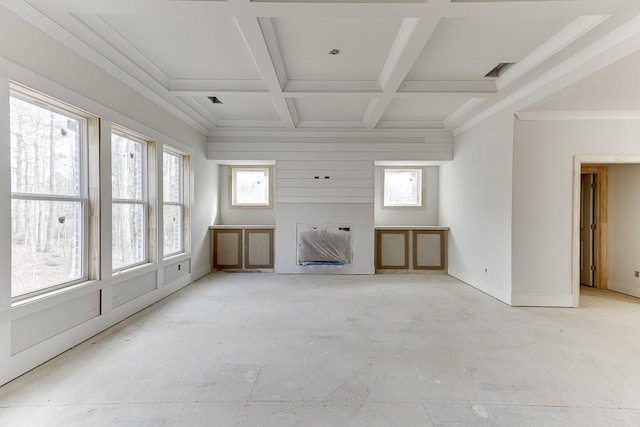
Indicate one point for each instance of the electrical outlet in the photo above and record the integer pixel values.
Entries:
(636, 274)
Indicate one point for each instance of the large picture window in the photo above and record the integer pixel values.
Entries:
(173, 202)
(49, 195)
(130, 210)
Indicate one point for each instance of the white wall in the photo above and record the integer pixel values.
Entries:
(205, 212)
(427, 215)
(475, 201)
(542, 203)
(29, 57)
(624, 228)
(242, 216)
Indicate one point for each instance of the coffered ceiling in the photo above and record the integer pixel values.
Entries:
(414, 66)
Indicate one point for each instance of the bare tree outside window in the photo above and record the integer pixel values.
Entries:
(49, 198)
(173, 210)
(129, 208)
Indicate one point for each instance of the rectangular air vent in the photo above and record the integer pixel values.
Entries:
(499, 69)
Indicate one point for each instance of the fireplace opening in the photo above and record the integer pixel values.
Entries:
(324, 244)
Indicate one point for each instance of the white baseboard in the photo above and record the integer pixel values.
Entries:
(503, 296)
(541, 300)
(199, 272)
(624, 288)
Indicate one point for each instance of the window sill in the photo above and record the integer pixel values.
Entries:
(172, 259)
(49, 299)
(130, 273)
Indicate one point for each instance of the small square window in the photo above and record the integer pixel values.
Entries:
(402, 187)
(250, 186)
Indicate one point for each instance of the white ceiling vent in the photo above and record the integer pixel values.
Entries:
(499, 69)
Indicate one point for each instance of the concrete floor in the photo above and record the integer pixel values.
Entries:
(387, 350)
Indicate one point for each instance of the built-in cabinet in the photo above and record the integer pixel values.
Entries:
(251, 247)
(242, 247)
(411, 248)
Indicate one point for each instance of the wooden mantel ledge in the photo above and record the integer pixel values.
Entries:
(246, 227)
(411, 227)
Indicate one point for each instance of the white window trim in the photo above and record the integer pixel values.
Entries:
(232, 179)
(88, 172)
(421, 191)
(147, 151)
(184, 176)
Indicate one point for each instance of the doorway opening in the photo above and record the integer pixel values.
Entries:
(590, 245)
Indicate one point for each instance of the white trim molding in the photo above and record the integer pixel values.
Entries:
(542, 300)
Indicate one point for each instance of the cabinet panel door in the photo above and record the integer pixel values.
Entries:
(258, 247)
(392, 249)
(428, 250)
(227, 248)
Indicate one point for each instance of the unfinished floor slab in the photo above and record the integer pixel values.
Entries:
(387, 350)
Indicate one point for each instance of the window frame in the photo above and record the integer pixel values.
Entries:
(421, 189)
(232, 180)
(182, 202)
(88, 190)
(147, 154)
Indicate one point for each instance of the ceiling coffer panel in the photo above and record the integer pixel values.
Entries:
(426, 107)
(307, 45)
(188, 47)
(331, 108)
(228, 107)
(468, 48)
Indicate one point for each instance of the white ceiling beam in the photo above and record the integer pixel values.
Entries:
(244, 124)
(291, 104)
(576, 29)
(478, 87)
(329, 9)
(284, 136)
(412, 37)
(257, 44)
(330, 124)
(192, 87)
(451, 119)
(311, 88)
(303, 88)
(269, 34)
(410, 124)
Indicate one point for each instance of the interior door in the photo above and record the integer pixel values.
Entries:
(587, 229)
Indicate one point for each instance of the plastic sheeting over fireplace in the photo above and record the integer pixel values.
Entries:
(324, 244)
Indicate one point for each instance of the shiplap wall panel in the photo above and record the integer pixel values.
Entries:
(337, 182)
(324, 192)
(313, 166)
(333, 173)
(324, 183)
(329, 199)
